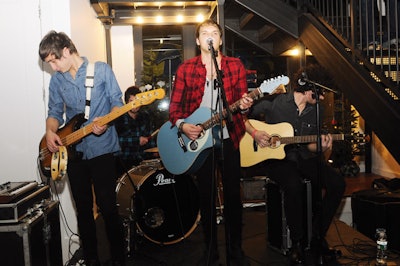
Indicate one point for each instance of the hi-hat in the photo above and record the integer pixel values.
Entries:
(155, 149)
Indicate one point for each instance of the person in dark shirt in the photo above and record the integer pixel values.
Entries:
(298, 108)
(134, 130)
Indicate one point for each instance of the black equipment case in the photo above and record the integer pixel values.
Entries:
(374, 208)
(35, 240)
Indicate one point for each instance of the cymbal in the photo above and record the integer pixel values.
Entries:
(155, 149)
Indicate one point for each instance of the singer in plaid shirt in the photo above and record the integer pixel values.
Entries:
(194, 87)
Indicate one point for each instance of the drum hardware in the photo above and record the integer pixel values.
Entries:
(129, 220)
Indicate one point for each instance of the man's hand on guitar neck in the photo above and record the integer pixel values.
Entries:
(245, 102)
(97, 129)
(326, 144)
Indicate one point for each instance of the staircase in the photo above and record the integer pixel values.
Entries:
(369, 79)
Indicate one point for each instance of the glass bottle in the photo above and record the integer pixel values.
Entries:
(381, 245)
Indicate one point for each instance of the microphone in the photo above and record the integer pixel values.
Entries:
(303, 80)
(210, 43)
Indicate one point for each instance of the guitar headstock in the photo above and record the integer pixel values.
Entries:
(358, 138)
(274, 85)
(148, 97)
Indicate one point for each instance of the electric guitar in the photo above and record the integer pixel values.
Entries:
(56, 163)
(181, 155)
(281, 134)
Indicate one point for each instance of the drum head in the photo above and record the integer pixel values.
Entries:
(126, 188)
(167, 207)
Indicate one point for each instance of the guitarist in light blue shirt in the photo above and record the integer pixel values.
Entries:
(94, 163)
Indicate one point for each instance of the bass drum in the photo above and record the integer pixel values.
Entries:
(166, 206)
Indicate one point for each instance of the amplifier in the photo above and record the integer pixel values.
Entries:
(373, 208)
(35, 240)
(253, 189)
(18, 208)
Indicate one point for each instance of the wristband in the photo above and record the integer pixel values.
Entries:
(180, 127)
(253, 134)
(244, 111)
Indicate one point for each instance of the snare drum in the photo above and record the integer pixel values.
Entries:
(166, 206)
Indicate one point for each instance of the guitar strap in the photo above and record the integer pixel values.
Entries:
(89, 84)
(181, 141)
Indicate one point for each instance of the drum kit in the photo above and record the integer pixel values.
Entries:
(162, 207)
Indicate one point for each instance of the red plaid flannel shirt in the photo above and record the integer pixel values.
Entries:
(189, 89)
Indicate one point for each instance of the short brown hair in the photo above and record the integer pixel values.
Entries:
(208, 22)
(54, 43)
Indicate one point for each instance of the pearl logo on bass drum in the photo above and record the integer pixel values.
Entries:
(161, 180)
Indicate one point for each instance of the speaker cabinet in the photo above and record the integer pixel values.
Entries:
(35, 240)
(253, 189)
(376, 208)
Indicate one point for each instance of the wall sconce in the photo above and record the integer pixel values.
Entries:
(295, 51)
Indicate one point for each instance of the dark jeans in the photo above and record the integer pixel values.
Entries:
(289, 176)
(232, 200)
(99, 172)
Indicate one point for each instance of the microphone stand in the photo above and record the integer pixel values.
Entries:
(319, 209)
(319, 172)
(223, 103)
(319, 85)
(220, 86)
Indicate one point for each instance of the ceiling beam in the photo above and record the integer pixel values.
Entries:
(265, 32)
(244, 19)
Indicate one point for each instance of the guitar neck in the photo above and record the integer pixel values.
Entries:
(214, 120)
(143, 98)
(88, 129)
(307, 139)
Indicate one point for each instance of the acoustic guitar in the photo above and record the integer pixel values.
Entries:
(281, 135)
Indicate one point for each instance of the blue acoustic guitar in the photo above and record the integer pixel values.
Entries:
(181, 155)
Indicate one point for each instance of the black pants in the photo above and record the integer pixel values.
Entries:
(231, 175)
(289, 176)
(99, 172)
